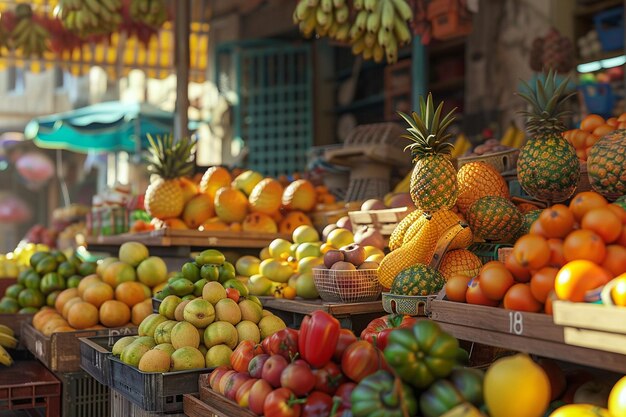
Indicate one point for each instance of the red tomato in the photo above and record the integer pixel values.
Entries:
(346, 338)
(360, 360)
(328, 378)
(298, 378)
(284, 343)
(241, 357)
(318, 404)
(282, 403)
(233, 294)
(344, 392)
(378, 329)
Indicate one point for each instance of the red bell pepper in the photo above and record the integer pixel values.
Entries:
(319, 334)
(377, 331)
(285, 343)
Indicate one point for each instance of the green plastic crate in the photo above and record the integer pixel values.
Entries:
(487, 251)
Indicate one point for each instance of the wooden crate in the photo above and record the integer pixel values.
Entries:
(354, 316)
(592, 325)
(60, 352)
(211, 403)
(385, 221)
(14, 321)
(521, 331)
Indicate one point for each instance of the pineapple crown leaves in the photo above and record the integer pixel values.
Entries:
(546, 101)
(428, 130)
(170, 158)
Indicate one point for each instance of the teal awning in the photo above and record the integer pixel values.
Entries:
(103, 127)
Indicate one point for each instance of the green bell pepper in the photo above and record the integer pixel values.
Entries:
(382, 395)
(422, 354)
(439, 398)
(469, 383)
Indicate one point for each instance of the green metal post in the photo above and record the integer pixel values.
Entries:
(419, 70)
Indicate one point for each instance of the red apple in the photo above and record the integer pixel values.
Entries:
(224, 380)
(594, 393)
(236, 381)
(255, 367)
(344, 223)
(233, 294)
(355, 254)
(216, 375)
(243, 393)
(272, 369)
(298, 378)
(259, 391)
(332, 257)
(555, 375)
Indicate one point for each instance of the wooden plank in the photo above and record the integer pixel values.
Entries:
(584, 356)
(217, 404)
(590, 316)
(609, 342)
(529, 325)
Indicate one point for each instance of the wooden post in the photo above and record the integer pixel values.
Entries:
(181, 60)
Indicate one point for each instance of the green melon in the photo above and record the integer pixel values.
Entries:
(418, 280)
(494, 219)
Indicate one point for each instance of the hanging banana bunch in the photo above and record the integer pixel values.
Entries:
(28, 36)
(324, 17)
(151, 12)
(380, 28)
(91, 17)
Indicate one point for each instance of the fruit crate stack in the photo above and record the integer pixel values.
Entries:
(29, 386)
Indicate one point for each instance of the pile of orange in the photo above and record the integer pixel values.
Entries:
(570, 253)
(592, 128)
(95, 305)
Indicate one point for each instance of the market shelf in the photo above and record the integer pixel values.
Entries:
(169, 238)
(526, 332)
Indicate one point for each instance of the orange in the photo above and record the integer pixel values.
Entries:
(68, 304)
(622, 237)
(474, 295)
(584, 244)
(548, 305)
(618, 292)
(621, 213)
(542, 283)
(531, 251)
(520, 298)
(51, 325)
(591, 122)
(557, 221)
(87, 281)
(114, 313)
(520, 273)
(585, 201)
(141, 311)
(130, 293)
(494, 282)
(557, 259)
(98, 293)
(578, 277)
(82, 315)
(603, 130)
(604, 222)
(617, 398)
(615, 261)
(456, 287)
(41, 317)
(64, 296)
(537, 229)
(582, 410)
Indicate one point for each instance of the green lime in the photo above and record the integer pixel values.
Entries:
(66, 269)
(31, 298)
(87, 268)
(52, 298)
(191, 271)
(199, 286)
(47, 264)
(73, 281)
(52, 282)
(58, 256)
(13, 291)
(9, 305)
(75, 260)
(32, 281)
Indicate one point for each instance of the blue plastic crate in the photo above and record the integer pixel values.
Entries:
(610, 27)
(599, 98)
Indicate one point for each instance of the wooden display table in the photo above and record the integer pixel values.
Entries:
(354, 316)
(525, 332)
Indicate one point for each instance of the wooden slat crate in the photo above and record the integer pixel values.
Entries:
(14, 321)
(60, 352)
(211, 403)
(385, 221)
(592, 325)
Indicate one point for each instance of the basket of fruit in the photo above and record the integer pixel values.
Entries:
(502, 158)
(347, 286)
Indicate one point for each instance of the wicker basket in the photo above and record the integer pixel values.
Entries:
(505, 161)
(409, 305)
(347, 286)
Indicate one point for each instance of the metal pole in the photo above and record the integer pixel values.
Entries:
(181, 60)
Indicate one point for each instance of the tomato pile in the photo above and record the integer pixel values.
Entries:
(571, 253)
(322, 370)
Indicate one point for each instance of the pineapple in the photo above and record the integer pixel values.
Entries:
(494, 218)
(169, 159)
(433, 181)
(547, 168)
(606, 165)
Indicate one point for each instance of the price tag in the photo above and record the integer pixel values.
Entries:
(38, 348)
(516, 322)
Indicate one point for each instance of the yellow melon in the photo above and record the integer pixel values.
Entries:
(198, 210)
(213, 179)
(460, 261)
(231, 205)
(188, 187)
(476, 180)
(299, 195)
(259, 222)
(266, 196)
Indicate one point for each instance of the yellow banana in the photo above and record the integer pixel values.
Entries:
(379, 53)
(93, 5)
(370, 5)
(383, 36)
(7, 341)
(370, 40)
(373, 22)
(404, 185)
(403, 9)
(342, 14)
(361, 20)
(509, 135)
(6, 330)
(388, 15)
(358, 47)
(5, 358)
(519, 140)
(391, 50)
(401, 30)
(339, 3)
(327, 6)
(343, 31)
(322, 17)
(358, 4)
